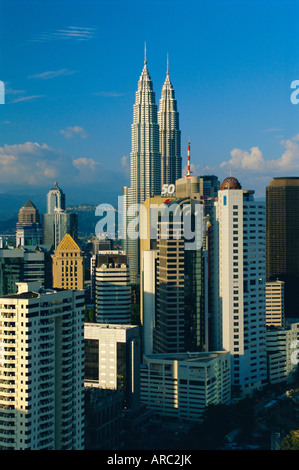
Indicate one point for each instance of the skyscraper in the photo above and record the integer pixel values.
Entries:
(169, 134)
(42, 369)
(57, 221)
(112, 359)
(68, 265)
(282, 199)
(148, 256)
(28, 215)
(145, 164)
(112, 288)
(55, 199)
(180, 291)
(242, 276)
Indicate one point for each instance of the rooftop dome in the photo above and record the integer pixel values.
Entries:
(230, 183)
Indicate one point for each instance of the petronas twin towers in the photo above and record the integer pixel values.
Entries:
(169, 134)
(155, 156)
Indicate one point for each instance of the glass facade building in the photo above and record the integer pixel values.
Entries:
(282, 225)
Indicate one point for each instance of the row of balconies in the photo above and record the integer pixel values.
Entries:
(47, 412)
(6, 401)
(44, 384)
(46, 425)
(9, 423)
(7, 382)
(46, 376)
(7, 315)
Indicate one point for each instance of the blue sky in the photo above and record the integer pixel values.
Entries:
(71, 70)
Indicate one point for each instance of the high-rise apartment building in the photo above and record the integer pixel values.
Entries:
(169, 134)
(112, 288)
(112, 359)
(68, 265)
(282, 199)
(145, 165)
(241, 260)
(42, 369)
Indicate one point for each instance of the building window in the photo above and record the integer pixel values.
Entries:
(91, 359)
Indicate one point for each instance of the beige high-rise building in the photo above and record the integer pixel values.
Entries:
(275, 303)
(42, 369)
(148, 255)
(28, 215)
(68, 265)
(173, 304)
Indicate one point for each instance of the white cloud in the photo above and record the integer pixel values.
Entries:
(11, 91)
(78, 33)
(26, 98)
(124, 160)
(125, 164)
(193, 168)
(254, 161)
(27, 164)
(245, 160)
(53, 74)
(32, 166)
(71, 131)
(273, 129)
(109, 94)
(85, 163)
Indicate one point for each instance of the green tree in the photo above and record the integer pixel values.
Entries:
(89, 315)
(290, 442)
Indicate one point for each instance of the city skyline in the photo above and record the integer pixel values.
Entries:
(71, 76)
(169, 322)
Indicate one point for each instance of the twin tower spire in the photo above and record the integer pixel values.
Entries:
(156, 137)
(155, 154)
(145, 61)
